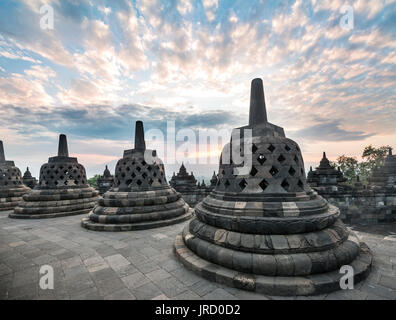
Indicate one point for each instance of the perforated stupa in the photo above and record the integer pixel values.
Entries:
(266, 230)
(140, 198)
(11, 185)
(62, 190)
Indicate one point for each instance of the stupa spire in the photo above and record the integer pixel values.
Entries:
(2, 157)
(140, 144)
(63, 151)
(257, 112)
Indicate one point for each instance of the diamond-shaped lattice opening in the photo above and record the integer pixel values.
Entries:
(138, 169)
(287, 148)
(281, 158)
(154, 174)
(285, 185)
(253, 172)
(300, 184)
(159, 180)
(271, 148)
(243, 184)
(273, 171)
(227, 183)
(296, 159)
(261, 159)
(254, 148)
(292, 172)
(263, 184)
(133, 175)
(298, 149)
(144, 163)
(150, 181)
(149, 168)
(139, 182)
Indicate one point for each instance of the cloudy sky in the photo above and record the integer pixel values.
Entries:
(106, 64)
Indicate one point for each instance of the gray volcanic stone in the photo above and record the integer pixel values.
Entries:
(278, 236)
(140, 197)
(11, 185)
(62, 190)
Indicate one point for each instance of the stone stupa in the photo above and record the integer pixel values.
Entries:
(267, 230)
(325, 175)
(385, 175)
(140, 198)
(183, 181)
(62, 190)
(28, 179)
(105, 181)
(11, 185)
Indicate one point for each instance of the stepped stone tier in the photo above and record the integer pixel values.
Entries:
(28, 179)
(183, 181)
(105, 182)
(11, 186)
(62, 190)
(267, 230)
(325, 175)
(140, 198)
(385, 176)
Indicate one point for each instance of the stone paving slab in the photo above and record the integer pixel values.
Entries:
(141, 264)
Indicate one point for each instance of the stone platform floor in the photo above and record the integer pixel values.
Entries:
(141, 264)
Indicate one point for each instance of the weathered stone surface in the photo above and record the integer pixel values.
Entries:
(280, 236)
(140, 197)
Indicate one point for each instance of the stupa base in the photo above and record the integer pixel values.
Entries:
(277, 286)
(95, 226)
(7, 205)
(48, 215)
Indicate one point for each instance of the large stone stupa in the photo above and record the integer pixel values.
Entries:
(267, 230)
(140, 198)
(11, 186)
(62, 190)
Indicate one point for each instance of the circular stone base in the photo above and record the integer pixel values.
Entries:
(88, 224)
(6, 206)
(277, 286)
(48, 215)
